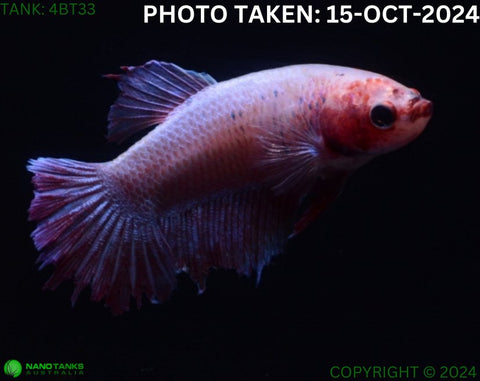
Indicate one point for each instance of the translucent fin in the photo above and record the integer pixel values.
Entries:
(291, 156)
(239, 230)
(93, 240)
(148, 94)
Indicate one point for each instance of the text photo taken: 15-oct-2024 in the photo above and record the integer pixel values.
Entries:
(240, 191)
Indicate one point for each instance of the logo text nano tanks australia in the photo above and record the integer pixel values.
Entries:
(55, 369)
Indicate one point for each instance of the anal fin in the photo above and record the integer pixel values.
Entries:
(240, 230)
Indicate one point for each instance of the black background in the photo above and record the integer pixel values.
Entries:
(388, 276)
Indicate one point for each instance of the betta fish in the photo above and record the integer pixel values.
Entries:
(229, 172)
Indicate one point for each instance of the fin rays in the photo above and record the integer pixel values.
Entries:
(148, 94)
(90, 239)
(290, 158)
(93, 241)
(239, 230)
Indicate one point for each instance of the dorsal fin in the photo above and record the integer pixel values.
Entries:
(148, 94)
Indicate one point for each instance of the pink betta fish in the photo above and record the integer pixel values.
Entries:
(229, 173)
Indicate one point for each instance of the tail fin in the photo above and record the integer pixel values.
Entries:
(92, 240)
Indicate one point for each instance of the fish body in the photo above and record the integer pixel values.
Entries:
(231, 170)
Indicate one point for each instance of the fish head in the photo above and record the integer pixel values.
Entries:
(366, 113)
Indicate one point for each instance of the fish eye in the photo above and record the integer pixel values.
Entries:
(382, 116)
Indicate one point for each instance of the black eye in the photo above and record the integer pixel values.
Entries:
(382, 116)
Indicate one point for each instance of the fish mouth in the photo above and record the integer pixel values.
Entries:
(421, 108)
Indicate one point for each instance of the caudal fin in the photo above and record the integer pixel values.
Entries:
(91, 239)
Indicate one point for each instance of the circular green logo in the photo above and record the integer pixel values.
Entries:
(12, 368)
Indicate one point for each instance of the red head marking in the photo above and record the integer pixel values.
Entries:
(372, 115)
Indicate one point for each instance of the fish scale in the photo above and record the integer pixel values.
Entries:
(230, 171)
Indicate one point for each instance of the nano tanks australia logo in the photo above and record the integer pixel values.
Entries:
(13, 368)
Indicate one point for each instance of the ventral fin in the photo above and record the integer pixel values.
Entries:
(148, 93)
(320, 197)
